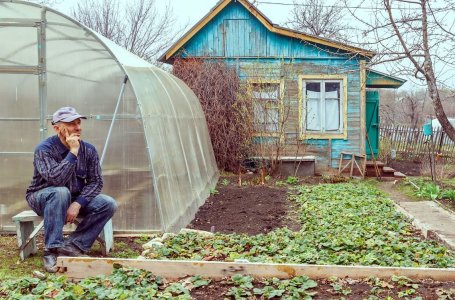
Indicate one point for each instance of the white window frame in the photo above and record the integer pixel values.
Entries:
(341, 133)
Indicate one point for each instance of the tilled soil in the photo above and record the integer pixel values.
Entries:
(246, 209)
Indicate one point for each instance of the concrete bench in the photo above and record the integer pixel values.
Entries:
(26, 232)
(292, 165)
(297, 165)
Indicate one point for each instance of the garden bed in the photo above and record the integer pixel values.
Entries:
(342, 224)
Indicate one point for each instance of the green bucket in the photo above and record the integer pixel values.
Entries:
(427, 129)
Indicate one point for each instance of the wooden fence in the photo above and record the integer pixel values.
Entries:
(410, 143)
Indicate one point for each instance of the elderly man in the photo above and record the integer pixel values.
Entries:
(66, 183)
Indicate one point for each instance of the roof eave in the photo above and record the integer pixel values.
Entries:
(165, 58)
(384, 80)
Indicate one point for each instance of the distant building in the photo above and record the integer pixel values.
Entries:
(437, 126)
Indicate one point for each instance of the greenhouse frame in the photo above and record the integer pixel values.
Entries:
(147, 125)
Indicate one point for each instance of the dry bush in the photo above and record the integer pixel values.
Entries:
(227, 109)
(385, 149)
(444, 168)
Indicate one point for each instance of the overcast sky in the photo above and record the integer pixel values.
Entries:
(193, 10)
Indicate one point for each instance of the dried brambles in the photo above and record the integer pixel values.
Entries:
(227, 110)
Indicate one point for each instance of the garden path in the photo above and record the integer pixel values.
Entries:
(433, 220)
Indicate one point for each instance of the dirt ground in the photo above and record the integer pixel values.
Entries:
(409, 168)
(246, 209)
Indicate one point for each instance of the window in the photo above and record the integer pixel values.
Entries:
(324, 107)
(266, 106)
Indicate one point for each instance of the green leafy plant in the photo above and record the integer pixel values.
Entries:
(242, 281)
(198, 281)
(292, 180)
(144, 238)
(429, 191)
(213, 191)
(225, 182)
(448, 194)
(238, 293)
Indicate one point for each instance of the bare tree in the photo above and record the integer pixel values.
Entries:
(419, 39)
(317, 18)
(388, 113)
(404, 108)
(137, 25)
(413, 106)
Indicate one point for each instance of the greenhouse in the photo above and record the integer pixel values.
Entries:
(147, 125)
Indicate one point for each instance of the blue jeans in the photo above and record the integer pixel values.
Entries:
(52, 204)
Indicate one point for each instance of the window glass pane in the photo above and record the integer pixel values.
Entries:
(266, 91)
(332, 114)
(313, 90)
(313, 115)
(259, 115)
(332, 106)
(266, 94)
(332, 90)
(265, 105)
(272, 119)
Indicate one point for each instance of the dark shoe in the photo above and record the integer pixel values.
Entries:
(70, 250)
(50, 261)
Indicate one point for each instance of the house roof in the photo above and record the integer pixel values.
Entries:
(376, 79)
(166, 57)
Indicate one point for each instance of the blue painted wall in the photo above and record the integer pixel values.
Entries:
(241, 40)
(235, 32)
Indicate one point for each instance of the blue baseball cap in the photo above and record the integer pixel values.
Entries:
(66, 114)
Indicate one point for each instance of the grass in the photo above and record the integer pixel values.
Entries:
(10, 264)
(409, 190)
(11, 267)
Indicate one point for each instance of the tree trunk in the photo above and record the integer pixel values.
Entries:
(439, 110)
(431, 78)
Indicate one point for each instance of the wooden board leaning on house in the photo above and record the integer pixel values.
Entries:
(82, 267)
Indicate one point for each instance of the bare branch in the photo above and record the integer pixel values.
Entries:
(138, 25)
(318, 19)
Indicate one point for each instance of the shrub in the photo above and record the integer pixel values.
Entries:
(227, 109)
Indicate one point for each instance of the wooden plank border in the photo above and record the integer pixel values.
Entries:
(77, 268)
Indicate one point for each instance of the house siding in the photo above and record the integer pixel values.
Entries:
(235, 32)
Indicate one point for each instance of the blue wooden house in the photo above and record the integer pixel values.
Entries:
(316, 94)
